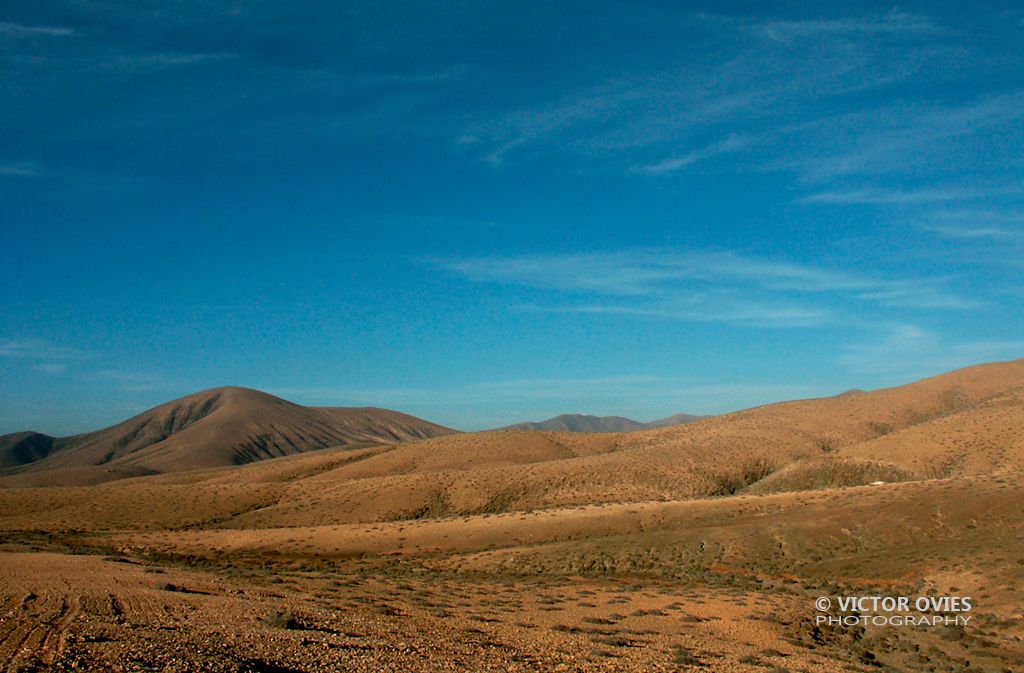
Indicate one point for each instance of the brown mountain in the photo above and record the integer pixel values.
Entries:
(213, 428)
(585, 423)
(673, 420)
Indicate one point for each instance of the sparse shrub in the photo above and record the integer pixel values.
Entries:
(880, 428)
(730, 483)
(281, 620)
(827, 444)
(832, 473)
(682, 656)
(613, 641)
(954, 399)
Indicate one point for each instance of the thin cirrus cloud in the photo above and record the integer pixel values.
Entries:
(52, 368)
(701, 286)
(640, 272)
(1005, 225)
(900, 138)
(912, 350)
(775, 96)
(759, 80)
(20, 171)
(929, 141)
(45, 357)
(976, 232)
(16, 30)
(128, 381)
(156, 61)
(727, 307)
(733, 143)
(626, 115)
(892, 23)
(38, 349)
(883, 196)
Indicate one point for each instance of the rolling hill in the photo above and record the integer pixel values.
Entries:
(961, 424)
(213, 428)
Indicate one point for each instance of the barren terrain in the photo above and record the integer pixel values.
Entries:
(696, 547)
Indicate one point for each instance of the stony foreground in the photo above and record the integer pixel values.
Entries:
(89, 612)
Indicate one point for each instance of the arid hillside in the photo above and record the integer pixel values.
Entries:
(968, 422)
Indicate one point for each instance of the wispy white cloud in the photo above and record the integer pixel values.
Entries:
(155, 61)
(890, 24)
(717, 398)
(16, 30)
(702, 286)
(46, 357)
(527, 126)
(999, 225)
(892, 350)
(766, 105)
(900, 138)
(761, 80)
(733, 143)
(38, 349)
(727, 307)
(129, 381)
(644, 271)
(52, 368)
(917, 295)
(910, 349)
(967, 232)
(628, 114)
(20, 171)
(532, 384)
(883, 196)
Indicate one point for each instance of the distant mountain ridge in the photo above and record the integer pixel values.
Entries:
(212, 428)
(586, 423)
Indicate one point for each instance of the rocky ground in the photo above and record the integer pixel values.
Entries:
(65, 611)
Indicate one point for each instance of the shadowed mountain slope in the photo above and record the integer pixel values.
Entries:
(21, 448)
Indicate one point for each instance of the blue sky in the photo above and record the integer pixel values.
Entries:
(487, 212)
